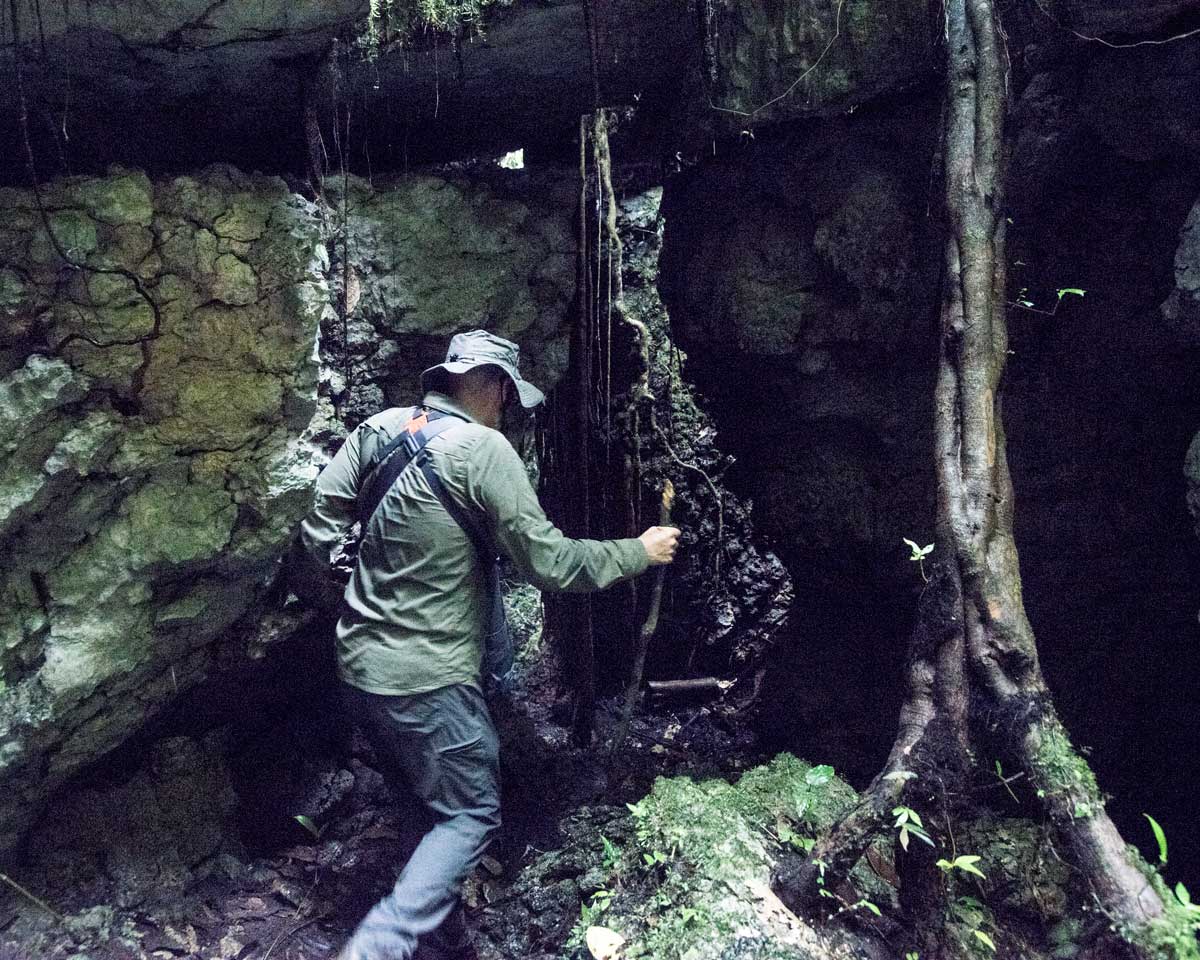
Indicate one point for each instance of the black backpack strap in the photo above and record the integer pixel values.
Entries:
(389, 461)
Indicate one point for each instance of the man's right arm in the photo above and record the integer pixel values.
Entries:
(333, 513)
(497, 483)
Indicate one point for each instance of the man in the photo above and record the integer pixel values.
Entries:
(420, 602)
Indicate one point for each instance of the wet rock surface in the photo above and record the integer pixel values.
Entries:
(728, 594)
(154, 866)
(158, 378)
(801, 280)
(164, 416)
(422, 257)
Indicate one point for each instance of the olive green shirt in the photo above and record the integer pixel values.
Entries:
(416, 605)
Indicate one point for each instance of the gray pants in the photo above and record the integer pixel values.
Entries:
(444, 747)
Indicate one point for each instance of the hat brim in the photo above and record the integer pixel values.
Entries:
(527, 393)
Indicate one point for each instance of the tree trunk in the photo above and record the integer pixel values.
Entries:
(975, 645)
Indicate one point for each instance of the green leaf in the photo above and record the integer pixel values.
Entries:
(985, 940)
(904, 837)
(1182, 895)
(819, 776)
(1160, 836)
(923, 836)
(927, 550)
(307, 824)
(1072, 290)
(870, 906)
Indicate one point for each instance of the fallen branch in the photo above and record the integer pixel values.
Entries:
(36, 901)
(709, 686)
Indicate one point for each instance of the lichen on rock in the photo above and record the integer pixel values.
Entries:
(154, 456)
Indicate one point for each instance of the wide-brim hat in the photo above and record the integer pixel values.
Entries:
(479, 348)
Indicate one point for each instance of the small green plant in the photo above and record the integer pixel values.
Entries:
(592, 910)
(919, 554)
(974, 916)
(790, 838)
(1005, 781)
(908, 822)
(308, 824)
(965, 863)
(1185, 901)
(612, 854)
(1025, 303)
(1160, 837)
(819, 775)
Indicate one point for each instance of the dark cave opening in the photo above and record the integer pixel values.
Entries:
(1101, 402)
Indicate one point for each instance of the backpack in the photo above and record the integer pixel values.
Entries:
(381, 473)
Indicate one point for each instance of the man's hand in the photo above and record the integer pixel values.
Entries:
(660, 544)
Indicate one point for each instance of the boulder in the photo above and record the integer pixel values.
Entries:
(159, 410)
(263, 86)
(154, 459)
(1181, 310)
(432, 254)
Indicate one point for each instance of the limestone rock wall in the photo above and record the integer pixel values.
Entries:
(164, 413)
(800, 281)
(780, 61)
(417, 258)
(155, 387)
(1181, 310)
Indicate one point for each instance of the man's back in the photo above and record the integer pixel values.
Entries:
(418, 597)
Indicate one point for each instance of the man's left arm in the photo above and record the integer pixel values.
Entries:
(333, 513)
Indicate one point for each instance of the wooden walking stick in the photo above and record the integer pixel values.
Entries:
(648, 628)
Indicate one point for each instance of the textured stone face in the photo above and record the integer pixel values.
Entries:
(781, 60)
(430, 256)
(152, 398)
(158, 394)
(1182, 313)
(1182, 307)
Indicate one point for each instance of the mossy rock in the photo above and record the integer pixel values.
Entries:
(705, 850)
(125, 198)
